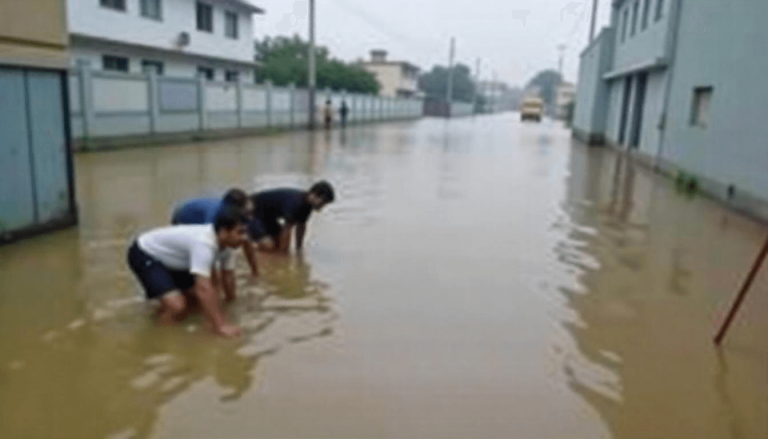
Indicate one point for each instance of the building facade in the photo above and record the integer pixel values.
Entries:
(677, 83)
(36, 173)
(398, 79)
(181, 38)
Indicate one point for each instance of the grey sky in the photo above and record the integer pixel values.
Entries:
(514, 38)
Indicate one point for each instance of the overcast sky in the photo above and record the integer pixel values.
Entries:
(514, 38)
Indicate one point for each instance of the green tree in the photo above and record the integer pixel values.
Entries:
(435, 83)
(546, 82)
(284, 61)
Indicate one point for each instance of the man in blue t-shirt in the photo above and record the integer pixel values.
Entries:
(278, 211)
(205, 211)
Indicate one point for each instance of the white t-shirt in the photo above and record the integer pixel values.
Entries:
(192, 248)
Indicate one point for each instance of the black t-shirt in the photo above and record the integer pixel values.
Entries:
(288, 204)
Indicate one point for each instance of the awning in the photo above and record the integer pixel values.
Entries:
(654, 64)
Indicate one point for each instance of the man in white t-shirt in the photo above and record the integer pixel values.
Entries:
(174, 266)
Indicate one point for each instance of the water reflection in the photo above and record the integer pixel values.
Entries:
(497, 281)
(115, 368)
(645, 361)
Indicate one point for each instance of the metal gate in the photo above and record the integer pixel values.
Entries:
(36, 181)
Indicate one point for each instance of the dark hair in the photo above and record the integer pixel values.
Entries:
(228, 218)
(324, 190)
(236, 197)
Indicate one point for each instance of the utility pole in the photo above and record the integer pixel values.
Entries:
(561, 48)
(312, 84)
(494, 89)
(477, 86)
(449, 91)
(594, 21)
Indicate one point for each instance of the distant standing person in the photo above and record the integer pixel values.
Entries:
(328, 114)
(174, 266)
(205, 210)
(278, 211)
(343, 112)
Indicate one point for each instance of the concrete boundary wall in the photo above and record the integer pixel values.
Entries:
(110, 109)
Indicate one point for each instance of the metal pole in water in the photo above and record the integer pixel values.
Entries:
(742, 294)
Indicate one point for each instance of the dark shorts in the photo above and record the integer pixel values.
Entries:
(259, 228)
(157, 279)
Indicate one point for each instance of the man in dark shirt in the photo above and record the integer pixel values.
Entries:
(278, 211)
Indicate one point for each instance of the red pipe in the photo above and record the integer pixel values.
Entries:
(742, 294)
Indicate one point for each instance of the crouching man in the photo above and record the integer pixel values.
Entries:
(174, 266)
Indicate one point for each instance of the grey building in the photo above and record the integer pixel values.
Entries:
(679, 84)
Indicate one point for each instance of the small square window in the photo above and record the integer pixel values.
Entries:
(230, 22)
(115, 63)
(625, 26)
(231, 75)
(118, 5)
(152, 9)
(205, 72)
(204, 17)
(646, 13)
(659, 9)
(149, 66)
(702, 100)
(635, 13)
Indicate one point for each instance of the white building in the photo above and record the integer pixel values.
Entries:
(566, 94)
(397, 78)
(181, 38)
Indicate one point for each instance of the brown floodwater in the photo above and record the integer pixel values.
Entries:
(477, 278)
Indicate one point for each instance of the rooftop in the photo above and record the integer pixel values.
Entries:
(245, 4)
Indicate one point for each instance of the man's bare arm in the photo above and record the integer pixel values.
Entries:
(228, 284)
(301, 230)
(284, 239)
(250, 255)
(210, 304)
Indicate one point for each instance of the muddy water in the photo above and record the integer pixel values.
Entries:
(477, 279)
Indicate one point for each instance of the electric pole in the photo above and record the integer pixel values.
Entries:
(311, 79)
(449, 91)
(594, 21)
(561, 48)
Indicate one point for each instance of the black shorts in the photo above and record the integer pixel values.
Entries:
(260, 228)
(157, 279)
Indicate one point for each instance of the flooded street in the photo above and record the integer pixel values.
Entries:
(476, 278)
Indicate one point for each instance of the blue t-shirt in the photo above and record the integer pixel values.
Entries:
(198, 211)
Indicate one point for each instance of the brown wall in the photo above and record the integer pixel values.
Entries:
(33, 33)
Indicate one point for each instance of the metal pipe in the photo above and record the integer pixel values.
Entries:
(742, 294)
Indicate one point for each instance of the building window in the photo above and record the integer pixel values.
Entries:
(115, 63)
(626, 25)
(230, 25)
(635, 13)
(659, 9)
(205, 72)
(646, 13)
(149, 66)
(204, 17)
(152, 9)
(231, 76)
(118, 5)
(702, 99)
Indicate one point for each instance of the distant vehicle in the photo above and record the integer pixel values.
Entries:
(532, 109)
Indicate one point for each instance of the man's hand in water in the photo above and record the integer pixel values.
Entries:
(229, 331)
